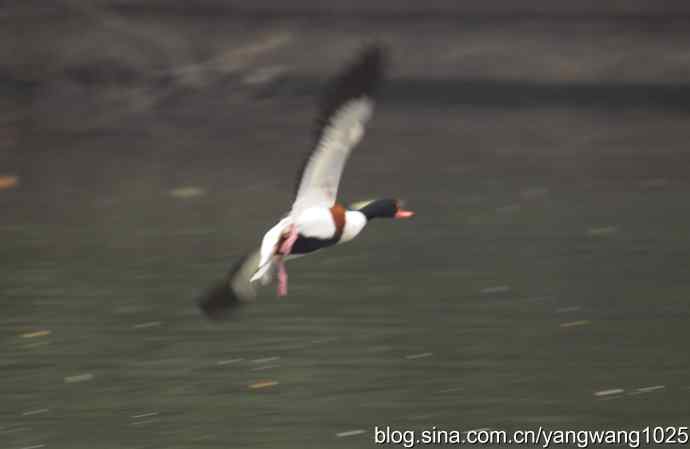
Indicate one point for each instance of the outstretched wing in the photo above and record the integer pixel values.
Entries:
(233, 291)
(347, 106)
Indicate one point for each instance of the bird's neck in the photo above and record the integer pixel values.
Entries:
(354, 223)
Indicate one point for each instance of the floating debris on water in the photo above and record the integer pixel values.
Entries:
(147, 324)
(605, 230)
(148, 421)
(419, 356)
(79, 378)
(350, 433)
(186, 192)
(8, 181)
(14, 430)
(229, 361)
(650, 389)
(37, 446)
(41, 333)
(266, 360)
(144, 415)
(609, 392)
(496, 289)
(265, 367)
(35, 412)
(575, 323)
(263, 384)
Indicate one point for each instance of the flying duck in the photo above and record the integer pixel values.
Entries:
(316, 220)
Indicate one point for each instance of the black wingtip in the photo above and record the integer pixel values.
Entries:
(361, 78)
(370, 62)
(219, 301)
(375, 54)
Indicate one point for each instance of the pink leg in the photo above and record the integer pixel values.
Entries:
(282, 277)
(286, 247)
(283, 251)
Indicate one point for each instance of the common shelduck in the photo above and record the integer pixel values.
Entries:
(316, 220)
